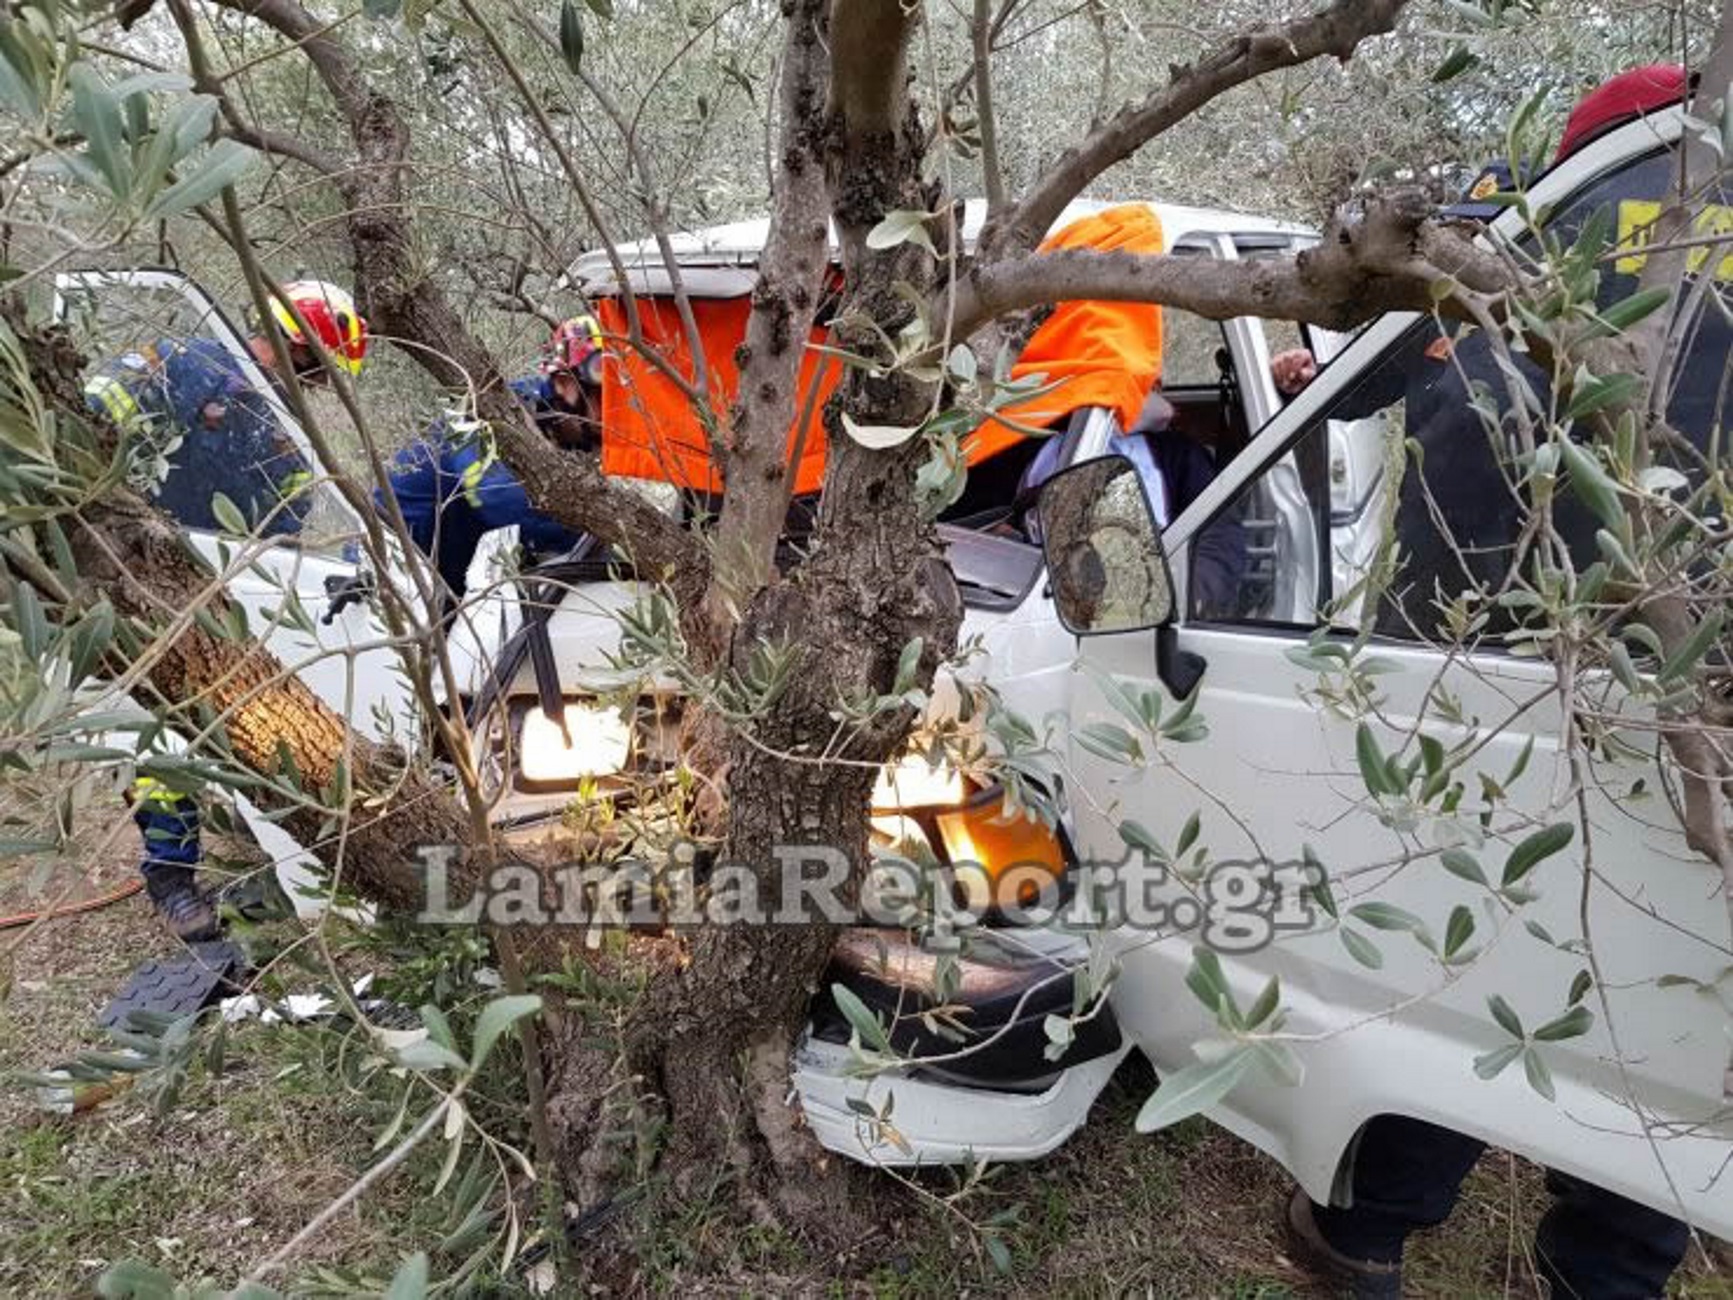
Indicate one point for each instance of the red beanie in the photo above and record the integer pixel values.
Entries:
(1628, 95)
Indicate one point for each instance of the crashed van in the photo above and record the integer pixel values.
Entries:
(1437, 963)
(986, 1078)
(1386, 997)
(1309, 486)
(529, 648)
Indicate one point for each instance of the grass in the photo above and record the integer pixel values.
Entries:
(1188, 1212)
(246, 1158)
(252, 1153)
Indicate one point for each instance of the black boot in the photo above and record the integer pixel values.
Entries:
(1361, 1279)
(187, 912)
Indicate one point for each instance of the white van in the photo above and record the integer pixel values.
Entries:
(1378, 1022)
(1307, 493)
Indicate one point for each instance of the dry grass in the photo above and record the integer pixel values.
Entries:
(243, 1163)
(253, 1153)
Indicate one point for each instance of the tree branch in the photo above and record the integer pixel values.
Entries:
(273, 142)
(1385, 257)
(1656, 346)
(699, 386)
(784, 303)
(657, 211)
(875, 35)
(993, 177)
(1337, 29)
(401, 299)
(329, 59)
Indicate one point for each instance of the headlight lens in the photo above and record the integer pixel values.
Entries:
(912, 782)
(1019, 857)
(601, 741)
(993, 862)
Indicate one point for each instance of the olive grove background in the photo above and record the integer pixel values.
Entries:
(507, 224)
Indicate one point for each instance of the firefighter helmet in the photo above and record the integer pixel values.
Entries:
(330, 313)
(576, 346)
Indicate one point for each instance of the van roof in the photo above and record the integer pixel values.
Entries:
(719, 262)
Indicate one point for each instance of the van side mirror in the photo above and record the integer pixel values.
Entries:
(1103, 547)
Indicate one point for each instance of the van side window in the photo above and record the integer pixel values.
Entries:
(193, 414)
(1316, 519)
(1189, 348)
(1197, 378)
(1309, 523)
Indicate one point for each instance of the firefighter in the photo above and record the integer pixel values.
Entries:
(192, 400)
(1443, 368)
(452, 487)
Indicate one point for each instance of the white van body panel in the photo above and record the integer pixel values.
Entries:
(1649, 1116)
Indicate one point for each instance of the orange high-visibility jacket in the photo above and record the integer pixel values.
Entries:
(1096, 353)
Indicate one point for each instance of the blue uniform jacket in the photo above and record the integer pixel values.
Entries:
(231, 440)
(452, 488)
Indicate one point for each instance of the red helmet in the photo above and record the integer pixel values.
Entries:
(330, 313)
(576, 346)
(1628, 95)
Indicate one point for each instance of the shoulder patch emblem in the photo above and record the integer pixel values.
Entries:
(1485, 187)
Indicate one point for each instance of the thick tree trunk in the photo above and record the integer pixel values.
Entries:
(714, 1041)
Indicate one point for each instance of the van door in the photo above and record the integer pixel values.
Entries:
(341, 653)
(1385, 1012)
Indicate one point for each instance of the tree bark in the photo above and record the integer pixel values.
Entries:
(1695, 737)
(785, 300)
(716, 1039)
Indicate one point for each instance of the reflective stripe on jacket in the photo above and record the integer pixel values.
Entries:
(452, 488)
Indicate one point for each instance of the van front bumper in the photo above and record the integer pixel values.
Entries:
(939, 1122)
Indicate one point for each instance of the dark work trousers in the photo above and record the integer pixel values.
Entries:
(1590, 1244)
(169, 825)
